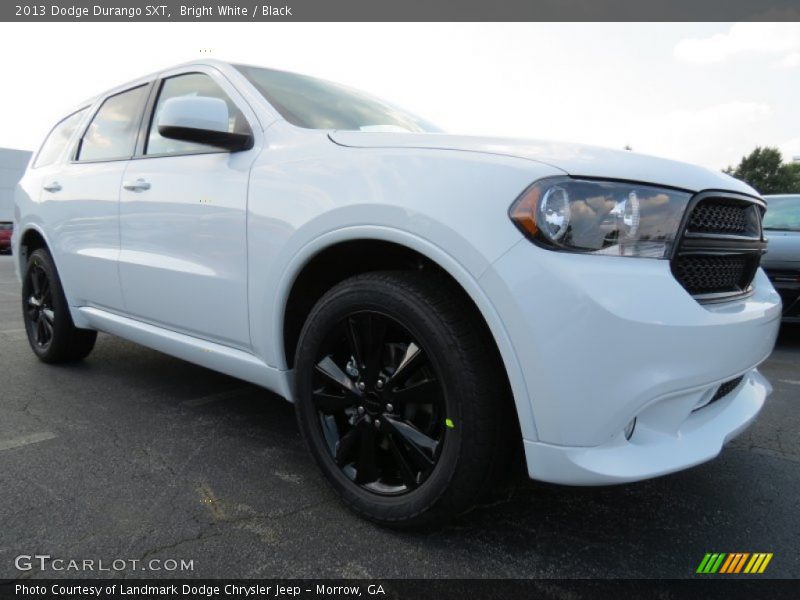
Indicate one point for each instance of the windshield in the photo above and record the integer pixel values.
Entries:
(783, 213)
(316, 104)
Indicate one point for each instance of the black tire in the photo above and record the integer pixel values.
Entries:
(467, 418)
(48, 323)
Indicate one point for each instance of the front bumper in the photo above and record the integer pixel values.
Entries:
(652, 450)
(602, 340)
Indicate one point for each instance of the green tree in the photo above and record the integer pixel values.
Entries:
(765, 170)
(794, 177)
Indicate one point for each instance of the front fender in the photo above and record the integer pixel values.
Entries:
(467, 280)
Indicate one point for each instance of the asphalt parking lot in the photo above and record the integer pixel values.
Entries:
(136, 455)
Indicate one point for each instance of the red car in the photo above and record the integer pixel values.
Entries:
(5, 237)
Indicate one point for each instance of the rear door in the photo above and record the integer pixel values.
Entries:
(183, 219)
(84, 194)
(48, 162)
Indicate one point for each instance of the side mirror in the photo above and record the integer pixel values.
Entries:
(201, 120)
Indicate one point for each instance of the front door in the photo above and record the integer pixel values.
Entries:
(183, 224)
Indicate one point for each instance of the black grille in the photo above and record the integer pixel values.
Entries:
(725, 219)
(726, 388)
(713, 274)
(721, 246)
(723, 390)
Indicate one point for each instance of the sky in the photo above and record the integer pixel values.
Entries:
(705, 93)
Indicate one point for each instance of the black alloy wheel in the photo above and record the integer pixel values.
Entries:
(402, 399)
(39, 307)
(51, 333)
(380, 404)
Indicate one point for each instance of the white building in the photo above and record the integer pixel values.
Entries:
(12, 166)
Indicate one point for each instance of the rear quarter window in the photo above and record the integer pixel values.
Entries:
(57, 140)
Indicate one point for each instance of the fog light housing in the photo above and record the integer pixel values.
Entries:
(628, 431)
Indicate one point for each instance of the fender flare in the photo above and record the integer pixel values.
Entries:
(17, 244)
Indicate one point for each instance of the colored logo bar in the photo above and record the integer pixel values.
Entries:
(734, 562)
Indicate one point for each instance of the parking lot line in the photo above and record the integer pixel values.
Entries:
(25, 440)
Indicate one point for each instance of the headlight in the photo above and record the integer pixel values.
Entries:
(601, 217)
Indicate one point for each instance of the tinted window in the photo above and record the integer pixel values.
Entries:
(316, 104)
(192, 84)
(58, 139)
(112, 133)
(783, 213)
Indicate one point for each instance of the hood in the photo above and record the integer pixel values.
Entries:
(574, 159)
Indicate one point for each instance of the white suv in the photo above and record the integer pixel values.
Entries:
(431, 303)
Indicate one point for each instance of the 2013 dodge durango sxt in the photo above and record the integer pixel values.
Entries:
(430, 303)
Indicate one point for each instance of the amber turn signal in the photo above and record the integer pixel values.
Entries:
(523, 213)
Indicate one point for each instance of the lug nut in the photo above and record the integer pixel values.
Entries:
(361, 410)
(379, 384)
(389, 408)
(377, 424)
(361, 385)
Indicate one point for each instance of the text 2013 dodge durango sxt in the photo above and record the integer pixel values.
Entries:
(429, 302)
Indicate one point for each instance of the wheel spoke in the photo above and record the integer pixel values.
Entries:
(411, 361)
(48, 330)
(40, 331)
(335, 375)
(406, 472)
(345, 446)
(424, 392)
(366, 467)
(354, 342)
(49, 315)
(46, 299)
(36, 282)
(374, 335)
(330, 431)
(329, 403)
(423, 448)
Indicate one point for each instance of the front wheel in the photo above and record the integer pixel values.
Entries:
(399, 398)
(51, 332)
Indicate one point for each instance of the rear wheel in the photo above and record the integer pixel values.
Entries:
(51, 332)
(398, 398)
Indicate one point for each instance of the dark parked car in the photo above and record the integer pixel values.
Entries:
(782, 260)
(6, 229)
